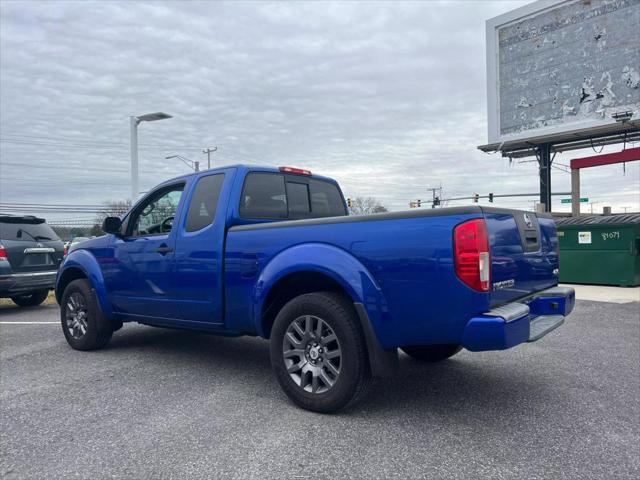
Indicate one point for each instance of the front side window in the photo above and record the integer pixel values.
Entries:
(263, 196)
(204, 202)
(155, 215)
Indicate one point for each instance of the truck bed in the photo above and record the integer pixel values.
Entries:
(405, 264)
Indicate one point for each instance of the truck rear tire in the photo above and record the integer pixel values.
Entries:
(318, 352)
(431, 353)
(83, 323)
(31, 299)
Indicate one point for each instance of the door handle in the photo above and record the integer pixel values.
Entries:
(164, 249)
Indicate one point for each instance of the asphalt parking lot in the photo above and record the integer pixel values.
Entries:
(168, 404)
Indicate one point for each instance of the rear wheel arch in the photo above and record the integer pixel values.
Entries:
(293, 285)
(320, 267)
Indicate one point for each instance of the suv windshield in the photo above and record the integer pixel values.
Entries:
(12, 228)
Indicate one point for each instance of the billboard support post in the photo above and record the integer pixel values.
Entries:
(544, 161)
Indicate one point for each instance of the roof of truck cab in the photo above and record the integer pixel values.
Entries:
(243, 167)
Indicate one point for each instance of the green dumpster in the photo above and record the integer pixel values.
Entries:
(601, 250)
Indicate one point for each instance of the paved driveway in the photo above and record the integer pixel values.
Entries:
(168, 404)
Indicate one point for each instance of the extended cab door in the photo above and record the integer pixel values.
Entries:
(140, 278)
(197, 280)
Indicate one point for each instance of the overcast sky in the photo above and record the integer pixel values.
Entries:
(389, 98)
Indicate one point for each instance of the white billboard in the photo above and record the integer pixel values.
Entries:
(557, 68)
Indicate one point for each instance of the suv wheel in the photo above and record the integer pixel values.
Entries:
(31, 299)
(83, 324)
(431, 353)
(318, 352)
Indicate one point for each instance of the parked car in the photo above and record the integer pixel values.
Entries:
(30, 254)
(72, 243)
(271, 252)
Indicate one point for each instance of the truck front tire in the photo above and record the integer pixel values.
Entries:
(32, 299)
(318, 352)
(83, 324)
(431, 353)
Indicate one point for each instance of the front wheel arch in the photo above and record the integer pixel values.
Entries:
(67, 276)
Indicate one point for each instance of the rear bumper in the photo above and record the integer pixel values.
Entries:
(527, 320)
(18, 283)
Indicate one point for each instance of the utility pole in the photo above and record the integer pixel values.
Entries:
(433, 195)
(209, 151)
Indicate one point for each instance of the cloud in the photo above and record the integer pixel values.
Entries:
(389, 98)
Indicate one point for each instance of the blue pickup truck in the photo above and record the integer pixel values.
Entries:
(246, 250)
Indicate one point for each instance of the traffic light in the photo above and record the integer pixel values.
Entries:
(349, 203)
(491, 197)
(476, 197)
(436, 201)
(418, 203)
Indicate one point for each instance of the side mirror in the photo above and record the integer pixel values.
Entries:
(112, 225)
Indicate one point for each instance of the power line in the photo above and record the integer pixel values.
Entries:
(83, 142)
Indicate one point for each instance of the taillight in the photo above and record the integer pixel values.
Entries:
(66, 251)
(471, 250)
(3, 253)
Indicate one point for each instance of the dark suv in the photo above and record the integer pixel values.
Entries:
(30, 253)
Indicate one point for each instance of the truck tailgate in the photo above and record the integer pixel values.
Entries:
(524, 253)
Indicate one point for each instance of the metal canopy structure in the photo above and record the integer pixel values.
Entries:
(626, 155)
(544, 152)
(607, 135)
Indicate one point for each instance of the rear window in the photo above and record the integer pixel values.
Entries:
(204, 202)
(26, 231)
(298, 198)
(271, 195)
(326, 200)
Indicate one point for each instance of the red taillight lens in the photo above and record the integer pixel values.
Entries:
(66, 251)
(3, 252)
(471, 250)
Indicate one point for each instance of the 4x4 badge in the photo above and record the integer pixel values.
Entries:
(527, 220)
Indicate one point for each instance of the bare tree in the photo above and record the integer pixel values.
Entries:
(113, 208)
(366, 206)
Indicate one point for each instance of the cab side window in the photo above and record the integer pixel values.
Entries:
(202, 209)
(155, 215)
(263, 196)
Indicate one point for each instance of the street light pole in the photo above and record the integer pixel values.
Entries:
(134, 158)
(134, 122)
(187, 161)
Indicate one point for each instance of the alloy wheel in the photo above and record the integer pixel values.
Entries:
(312, 354)
(76, 315)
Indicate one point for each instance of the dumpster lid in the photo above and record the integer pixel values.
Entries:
(619, 219)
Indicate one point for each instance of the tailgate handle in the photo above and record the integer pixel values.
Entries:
(531, 240)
